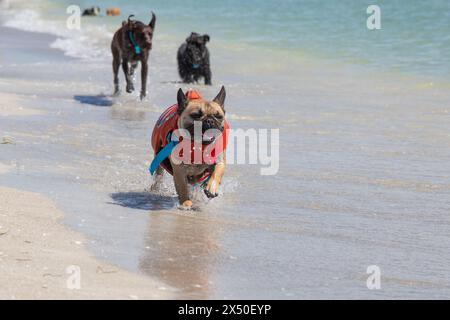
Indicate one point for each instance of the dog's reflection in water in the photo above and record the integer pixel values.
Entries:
(181, 250)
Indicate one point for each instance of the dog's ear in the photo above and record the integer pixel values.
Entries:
(130, 22)
(220, 98)
(205, 38)
(153, 21)
(189, 39)
(192, 37)
(182, 101)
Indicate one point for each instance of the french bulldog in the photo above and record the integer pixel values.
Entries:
(188, 115)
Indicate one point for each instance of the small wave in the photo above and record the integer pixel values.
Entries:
(90, 42)
(233, 116)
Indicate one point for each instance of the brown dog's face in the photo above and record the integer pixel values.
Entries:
(210, 114)
(143, 33)
(144, 36)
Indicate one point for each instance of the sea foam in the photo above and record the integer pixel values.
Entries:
(88, 43)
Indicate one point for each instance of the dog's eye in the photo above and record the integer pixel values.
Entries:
(197, 115)
(218, 116)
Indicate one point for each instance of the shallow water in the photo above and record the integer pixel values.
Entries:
(413, 39)
(363, 176)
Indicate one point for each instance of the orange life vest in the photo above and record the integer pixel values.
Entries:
(168, 123)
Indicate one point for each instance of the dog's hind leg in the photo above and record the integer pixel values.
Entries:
(133, 67)
(116, 65)
(184, 73)
(196, 77)
(126, 71)
(188, 79)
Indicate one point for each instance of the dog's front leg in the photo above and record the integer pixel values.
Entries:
(144, 74)
(181, 185)
(212, 188)
(159, 175)
(207, 75)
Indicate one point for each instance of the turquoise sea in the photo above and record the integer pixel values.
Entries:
(414, 36)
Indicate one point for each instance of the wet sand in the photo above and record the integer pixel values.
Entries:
(37, 256)
(10, 106)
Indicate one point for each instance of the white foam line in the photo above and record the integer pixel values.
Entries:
(88, 43)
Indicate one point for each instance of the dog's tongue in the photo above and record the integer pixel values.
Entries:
(208, 137)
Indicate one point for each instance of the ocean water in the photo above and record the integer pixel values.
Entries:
(414, 35)
(364, 146)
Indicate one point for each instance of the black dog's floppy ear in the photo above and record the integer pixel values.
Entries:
(153, 21)
(220, 98)
(182, 101)
(192, 37)
(206, 38)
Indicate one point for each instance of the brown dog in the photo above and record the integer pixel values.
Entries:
(113, 11)
(193, 113)
(132, 43)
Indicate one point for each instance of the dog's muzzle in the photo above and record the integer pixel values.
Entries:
(208, 134)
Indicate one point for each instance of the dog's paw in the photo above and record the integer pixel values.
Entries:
(143, 95)
(155, 187)
(186, 205)
(130, 88)
(212, 188)
(210, 194)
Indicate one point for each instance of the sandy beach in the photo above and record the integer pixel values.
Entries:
(38, 254)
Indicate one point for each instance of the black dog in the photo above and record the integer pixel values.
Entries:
(193, 59)
(94, 11)
(132, 43)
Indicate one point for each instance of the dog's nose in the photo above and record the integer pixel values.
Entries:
(208, 124)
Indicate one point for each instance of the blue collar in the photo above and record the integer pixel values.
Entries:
(137, 49)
